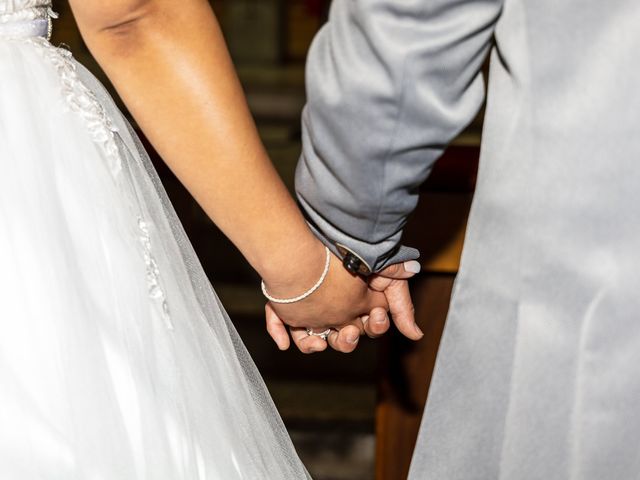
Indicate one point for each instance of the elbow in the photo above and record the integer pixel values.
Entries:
(129, 19)
(115, 19)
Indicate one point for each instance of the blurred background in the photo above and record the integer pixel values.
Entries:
(351, 417)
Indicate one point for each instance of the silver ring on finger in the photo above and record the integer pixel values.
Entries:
(323, 335)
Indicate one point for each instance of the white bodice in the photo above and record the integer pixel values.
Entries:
(23, 10)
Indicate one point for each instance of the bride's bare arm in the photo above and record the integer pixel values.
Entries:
(169, 63)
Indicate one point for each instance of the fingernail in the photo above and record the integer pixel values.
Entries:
(353, 339)
(418, 331)
(365, 319)
(381, 320)
(412, 266)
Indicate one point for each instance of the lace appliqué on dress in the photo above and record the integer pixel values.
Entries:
(153, 274)
(82, 101)
(23, 10)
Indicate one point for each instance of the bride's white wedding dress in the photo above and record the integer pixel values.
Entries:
(117, 360)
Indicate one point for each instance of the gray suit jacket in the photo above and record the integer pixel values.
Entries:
(537, 371)
(389, 83)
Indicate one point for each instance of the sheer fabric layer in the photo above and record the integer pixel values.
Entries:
(117, 360)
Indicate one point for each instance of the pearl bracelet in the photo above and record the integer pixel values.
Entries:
(305, 294)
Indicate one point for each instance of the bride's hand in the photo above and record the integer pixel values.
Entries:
(341, 302)
(352, 300)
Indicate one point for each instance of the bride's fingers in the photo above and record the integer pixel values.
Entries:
(276, 328)
(305, 342)
(346, 339)
(378, 323)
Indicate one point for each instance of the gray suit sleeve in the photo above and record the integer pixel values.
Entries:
(389, 84)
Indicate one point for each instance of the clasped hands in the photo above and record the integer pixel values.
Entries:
(351, 306)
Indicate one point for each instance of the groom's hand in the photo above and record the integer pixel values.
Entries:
(341, 303)
(374, 321)
(393, 282)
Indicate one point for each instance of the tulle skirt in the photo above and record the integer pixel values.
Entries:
(117, 360)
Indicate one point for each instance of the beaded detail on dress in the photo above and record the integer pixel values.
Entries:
(24, 10)
(81, 100)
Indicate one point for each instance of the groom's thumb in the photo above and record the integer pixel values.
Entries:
(401, 271)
